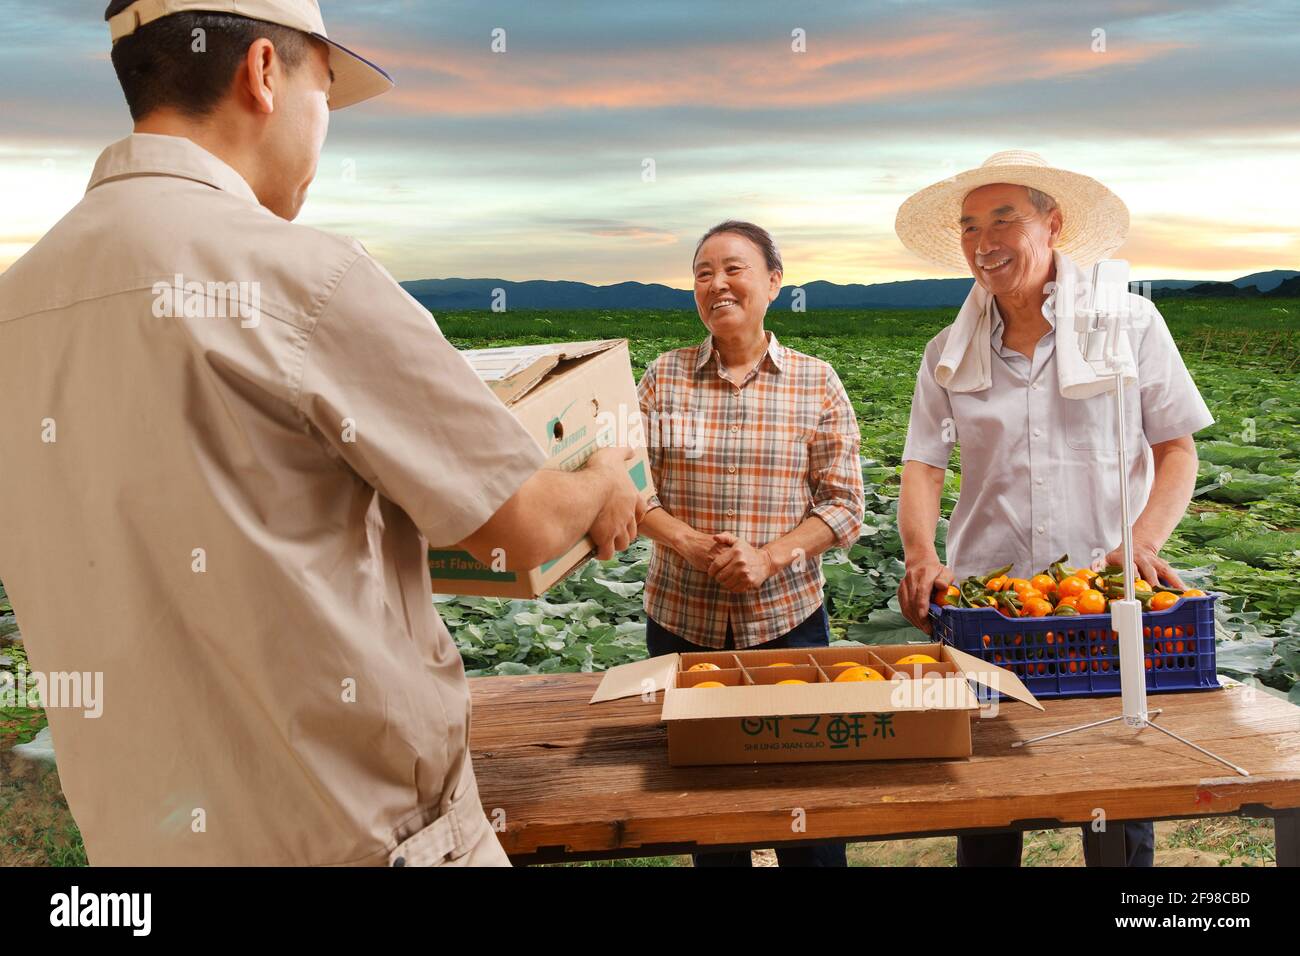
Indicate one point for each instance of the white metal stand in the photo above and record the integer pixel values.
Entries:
(1126, 614)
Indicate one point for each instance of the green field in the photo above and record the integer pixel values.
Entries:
(1241, 536)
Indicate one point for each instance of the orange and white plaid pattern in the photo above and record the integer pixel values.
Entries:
(755, 458)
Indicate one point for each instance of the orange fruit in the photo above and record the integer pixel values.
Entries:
(792, 681)
(1072, 587)
(916, 659)
(948, 598)
(1163, 601)
(847, 664)
(1072, 601)
(1044, 583)
(781, 664)
(703, 667)
(1038, 607)
(1193, 592)
(1091, 602)
(1140, 585)
(1024, 589)
(859, 673)
(998, 583)
(710, 683)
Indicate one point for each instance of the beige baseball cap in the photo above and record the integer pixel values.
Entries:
(355, 77)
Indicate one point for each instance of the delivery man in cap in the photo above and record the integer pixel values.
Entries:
(229, 441)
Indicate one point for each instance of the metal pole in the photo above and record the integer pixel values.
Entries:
(1226, 763)
(1126, 615)
(1129, 573)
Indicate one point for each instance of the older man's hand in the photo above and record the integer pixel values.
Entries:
(1148, 564)
(922, 579)
(739, 566)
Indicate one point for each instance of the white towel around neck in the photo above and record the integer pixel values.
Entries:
(966, 363)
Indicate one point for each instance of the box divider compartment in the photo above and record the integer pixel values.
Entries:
(887, 671)
(730, 676)
(825, 677)
(771, 676)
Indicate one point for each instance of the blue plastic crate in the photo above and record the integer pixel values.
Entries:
(1079, 656)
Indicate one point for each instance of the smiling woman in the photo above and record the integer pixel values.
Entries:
(769, 481)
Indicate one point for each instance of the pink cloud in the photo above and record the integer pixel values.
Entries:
(736, 76)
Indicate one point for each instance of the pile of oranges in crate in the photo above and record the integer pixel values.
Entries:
(1059, 590)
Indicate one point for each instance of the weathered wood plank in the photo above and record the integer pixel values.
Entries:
(596, 778)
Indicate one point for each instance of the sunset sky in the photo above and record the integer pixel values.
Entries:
(527, 164)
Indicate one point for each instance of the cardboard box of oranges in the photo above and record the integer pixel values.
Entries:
(572, 397)
(882, 702)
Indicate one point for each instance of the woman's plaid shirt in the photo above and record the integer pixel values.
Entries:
(755, 459)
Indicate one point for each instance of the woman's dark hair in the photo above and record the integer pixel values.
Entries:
(755, 234)
(163, 63)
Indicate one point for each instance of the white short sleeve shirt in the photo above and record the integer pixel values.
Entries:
(1039, 472)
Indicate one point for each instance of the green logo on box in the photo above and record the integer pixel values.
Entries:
(463, 566)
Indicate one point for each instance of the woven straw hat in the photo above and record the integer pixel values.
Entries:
(1094, 220)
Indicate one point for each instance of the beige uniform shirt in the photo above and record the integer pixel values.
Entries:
(226, 440)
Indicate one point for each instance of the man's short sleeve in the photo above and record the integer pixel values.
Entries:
(392, 397)
(931, 418)
(1171, 403)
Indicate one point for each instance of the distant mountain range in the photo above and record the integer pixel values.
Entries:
(467, 295)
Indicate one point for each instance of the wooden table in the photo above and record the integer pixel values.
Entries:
(573, 781)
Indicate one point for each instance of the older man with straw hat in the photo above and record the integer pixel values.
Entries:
(1038, 463)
